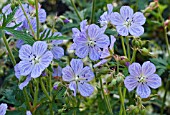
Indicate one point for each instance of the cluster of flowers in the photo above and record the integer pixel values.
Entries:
(90, 41)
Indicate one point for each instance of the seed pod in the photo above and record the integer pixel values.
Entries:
(144, 51)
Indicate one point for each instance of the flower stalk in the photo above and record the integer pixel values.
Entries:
(93, 11)
(74, 6)
(37, 19)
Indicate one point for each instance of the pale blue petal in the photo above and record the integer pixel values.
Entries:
(131, 82)
(7, 9)
(116, 19)
(19, 43)
(42, 15)
(68, 74)
(57, 72)
(122, 30)
(154, 81)
(94, 31)
(17, 71)
(86, 74)
(110, 8)
(82, 51)
(143, 90)
(28, 113)
(77, 65)
(37, 70)
(103, 61)
(136, 30)
(83, 25)
(135, 69)
(25, 67)
(75, 32)
(57, 42)
(58, 52)
(46, 59)
(73, 87)
(25, 83)
(148, 68)
(139, 18)
(126, 12)
(25, 53)
(85, 89)
(3, 108)
(102, 41)
(105, 53)
(39, 48)
(113, 40)
(94, 53)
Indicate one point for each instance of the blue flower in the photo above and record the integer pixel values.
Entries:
(105, 17)
(142, 77)
(89, 41)
(34, 59)
(78, 76)
(57, 72)
(128, 22)
(28, 113)
(3, 108)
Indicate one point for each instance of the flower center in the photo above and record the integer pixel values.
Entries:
(35, 59)
(142, 79)
(128, 22)
(91, 43)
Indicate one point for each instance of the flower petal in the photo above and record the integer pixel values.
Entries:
(143, 90)
(7, 9)
(116, 19)
(85, 89)
(122, 30)
(135, 69)
(86, 74)
(105, 53)
(76, 65)
(113, 40)
(130, 83)
(39, 48)
(75, 32)
(103, 61)
(103, 41)
(19, 43)
(3, 108)
(37, 70)
(94, 31)
(68, 74)
(139, 18)
(110, 8)
(25, 67)
(94, 53)
(25, 83)
(17, 71)
(73, 87)
(83, 25)
(148, 68)
(57, 72)
(58, 52)
(82, 51)
(136, 30)
(126, 12)
(46, 59)
(42, 15)
(154, 81)
(25, 53)
(57, 42)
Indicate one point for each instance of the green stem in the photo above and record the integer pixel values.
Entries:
(51, 108)
(93, 11)
(122, 102)
(8, 49)
(36, 92)
(27, 100)
(74, 6)
(107, 102)
(123, 45)
(37, 18)
(164, 98)
(128, 48)
(30, 26)
(133, 55)
(44, 90)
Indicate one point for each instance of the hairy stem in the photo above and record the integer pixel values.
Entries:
(128, 48)
(74, 6)
(27, 100)
(37, 18)
(36, 92)
(8, 49)
(123, 45)
(93, 11)
(133, 55)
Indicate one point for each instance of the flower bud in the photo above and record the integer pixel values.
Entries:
(144, 51)
(31, 2)
(113, 82)
(56, 85)
(120, 77)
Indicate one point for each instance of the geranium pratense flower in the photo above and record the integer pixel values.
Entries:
(78, 76)
(90, 41)
(34, 59)
(105, 17)
(3, 108)
(142, 77)
(128, 22)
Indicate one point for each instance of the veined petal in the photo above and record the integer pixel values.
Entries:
(143, 90)
(17, 71)
(46, 59)
(103, 41)
(83, 25)
(57, 42)
(105, 53)
(86, 74)
(122, 30)
(136, 30)
(68, 74)
(37, 70)
(25, 67)
(7, 9)
(81, 39)
(82, 51)
(103, 61)
(148, 68)
(77, 65)
(25, 53)
(58, 52)
(110, 8)
(113, 40)
(25, 83)
(73, 87)
(154, 81)
(135, 69)
(39, 48)
(94, 31)
(75, 32)
(19, 43)
(131, 83)
(126, 12)
(3, 108)
(139, 18)
(85, 89)
(94, 53)
(57, 72)
(42, 15)
(116, 19)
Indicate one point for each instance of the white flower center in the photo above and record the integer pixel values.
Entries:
(91, 43)
(128, 22)
(35, 59)
(142, 79)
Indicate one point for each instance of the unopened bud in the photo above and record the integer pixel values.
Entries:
(136, 43)
(144, 51)
(113, 82)
(31, 2)
(123, 60)
(120, 77)
(56, 85)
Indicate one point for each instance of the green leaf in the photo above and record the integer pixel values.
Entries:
(27, 38)
(61, 92)
(9, 18)
(57, 38)
(162, 8)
